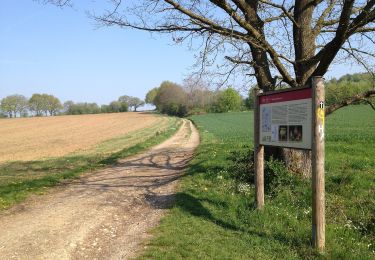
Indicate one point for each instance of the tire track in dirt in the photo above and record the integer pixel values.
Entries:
(104, 215)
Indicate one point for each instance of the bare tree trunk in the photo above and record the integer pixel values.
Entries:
(304, 40)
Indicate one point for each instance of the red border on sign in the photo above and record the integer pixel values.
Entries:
(286, 96)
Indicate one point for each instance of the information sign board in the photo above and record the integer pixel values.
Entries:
(286, 119)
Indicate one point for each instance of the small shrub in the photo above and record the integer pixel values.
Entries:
(275, 173)
(242, 167)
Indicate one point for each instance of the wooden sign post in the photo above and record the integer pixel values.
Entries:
(318, 200)
(293, 118)
(258, 156)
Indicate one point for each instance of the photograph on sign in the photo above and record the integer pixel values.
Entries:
(286, 119)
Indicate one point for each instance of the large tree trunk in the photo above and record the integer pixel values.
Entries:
(297, 161)
(304, 40)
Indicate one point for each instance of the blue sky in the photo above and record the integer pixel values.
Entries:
(61, 52)
(45, 49)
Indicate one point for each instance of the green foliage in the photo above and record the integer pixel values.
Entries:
(150, 96)
(276, 174)
(124, 107)
(82, 108)
(13, 105)
(347, 86)
(44, 103)
(171, 99)
(228, 100)
(131, 102)
(37, 104)
(53, 104)
(116, 107)
(214, 215)
(71, 108)
(105, 109)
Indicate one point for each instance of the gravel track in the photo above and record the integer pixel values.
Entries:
(106, 214)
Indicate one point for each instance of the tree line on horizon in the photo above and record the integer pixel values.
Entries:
(193, 98)
(48, 105)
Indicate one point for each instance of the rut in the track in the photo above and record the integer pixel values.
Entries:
(104, 215)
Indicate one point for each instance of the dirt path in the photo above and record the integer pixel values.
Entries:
(104, 215)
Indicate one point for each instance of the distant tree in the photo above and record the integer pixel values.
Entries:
(22, 105)
(171, 99)
(199, 96)
(124, 107)
(229, 100)
(104, 109)
(193, 97)
(150, 96)
(37, 104)
(136, 103)
(83, 108)
(7, 107)
(13, 105)
(71, 108)
(91, 108)
(132, 102)
(44, 103)
(53, 104)
(67, 107)
(115, 106)
(124, 99)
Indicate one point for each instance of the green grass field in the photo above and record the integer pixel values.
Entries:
(214, 214)
(18, 179)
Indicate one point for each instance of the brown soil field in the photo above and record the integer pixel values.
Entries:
(25, 139)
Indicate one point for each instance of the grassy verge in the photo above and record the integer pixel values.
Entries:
(19, 179)
(214, 215)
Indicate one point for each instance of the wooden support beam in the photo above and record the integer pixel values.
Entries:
(318, 196)
(258, 155)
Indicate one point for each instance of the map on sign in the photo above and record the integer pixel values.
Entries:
(286, 119)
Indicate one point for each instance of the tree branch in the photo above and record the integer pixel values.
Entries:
(240, 61)
(321, 20)
(282, 8)
(59, 3)
(351, 100)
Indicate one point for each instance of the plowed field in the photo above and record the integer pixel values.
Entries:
(27, 139)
